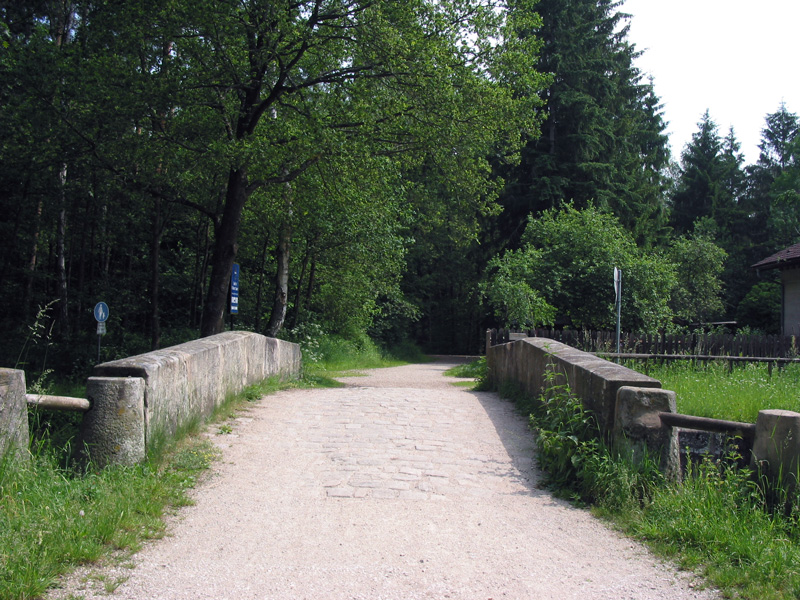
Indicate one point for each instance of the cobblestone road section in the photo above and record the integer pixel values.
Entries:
(399, 486)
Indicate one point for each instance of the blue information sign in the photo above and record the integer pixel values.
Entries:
(101, 312)
(235, 289)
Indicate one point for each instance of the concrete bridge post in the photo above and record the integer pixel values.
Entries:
(776, 448)
(14, 435)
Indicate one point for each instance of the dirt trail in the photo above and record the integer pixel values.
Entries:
(398, 486)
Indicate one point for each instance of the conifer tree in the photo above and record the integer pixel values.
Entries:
(603, 139)
(700, 188)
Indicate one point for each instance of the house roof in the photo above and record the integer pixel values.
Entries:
(788, 257)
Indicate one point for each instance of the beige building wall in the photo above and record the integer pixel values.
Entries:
(791, 301)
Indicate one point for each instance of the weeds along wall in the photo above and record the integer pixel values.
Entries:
(627, 404)
(136, 402)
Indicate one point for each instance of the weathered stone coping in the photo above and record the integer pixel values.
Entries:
(138, 400)
(594, 380)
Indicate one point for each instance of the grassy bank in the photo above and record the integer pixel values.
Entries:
(57, 514)
(713, 390)
(56, 518)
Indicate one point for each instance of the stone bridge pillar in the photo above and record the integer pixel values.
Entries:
(14, 435)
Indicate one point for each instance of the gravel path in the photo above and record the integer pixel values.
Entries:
(398, 486)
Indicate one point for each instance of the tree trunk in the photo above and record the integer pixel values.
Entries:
(200, 270)
(63, 321)
(298, 297)
(282, 271)
(155, 256)
(225, 249)
(33, 258)
(281, 280)
(261, 282)
(311, 278)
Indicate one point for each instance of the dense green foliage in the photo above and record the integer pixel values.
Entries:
(603, 139)
(364, 163)
(565, 270)
(154, 145)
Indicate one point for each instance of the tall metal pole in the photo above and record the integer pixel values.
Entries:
(618, 293)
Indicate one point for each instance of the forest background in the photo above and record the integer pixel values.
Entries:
(409, 171)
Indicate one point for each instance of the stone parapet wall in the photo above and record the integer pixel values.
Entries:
(594, 380)
(177, 386)
(629, 407)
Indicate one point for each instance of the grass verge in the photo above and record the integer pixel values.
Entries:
(56, 516)
(475, 370)
(713, 390)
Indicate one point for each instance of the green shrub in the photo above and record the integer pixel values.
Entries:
(476, 369)
(576, 461)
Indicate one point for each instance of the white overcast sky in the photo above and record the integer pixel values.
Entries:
(737, 59)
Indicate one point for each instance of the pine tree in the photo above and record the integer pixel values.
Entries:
(603, 139)
(700, 190)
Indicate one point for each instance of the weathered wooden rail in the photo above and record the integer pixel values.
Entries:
(63, 403)
(746, 430)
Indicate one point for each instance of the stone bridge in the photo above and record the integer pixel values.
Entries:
(398, 486)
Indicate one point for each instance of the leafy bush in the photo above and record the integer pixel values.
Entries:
(476, 369)
(576, 461)
(761, 308)
(564, 271)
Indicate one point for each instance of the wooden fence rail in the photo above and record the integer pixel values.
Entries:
(58, 402)
(723, 345)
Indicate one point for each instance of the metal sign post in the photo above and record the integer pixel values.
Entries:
(235, 289)
(234, 293)
(101, 316)
(618, 294)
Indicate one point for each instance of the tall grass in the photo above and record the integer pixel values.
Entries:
(713, 390)
(718, 521)
(54, 518)
(55, 515)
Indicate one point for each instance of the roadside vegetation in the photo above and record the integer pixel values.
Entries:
(474, 372)
(57, 514)
(714, 390)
